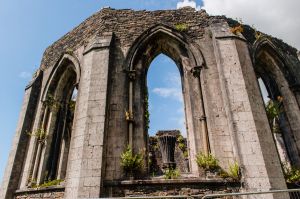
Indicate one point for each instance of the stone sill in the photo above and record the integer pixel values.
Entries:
(56, 188)
(214, 181)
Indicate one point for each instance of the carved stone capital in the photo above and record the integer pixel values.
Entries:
(129, 116)
(196, 71)
(131, 75)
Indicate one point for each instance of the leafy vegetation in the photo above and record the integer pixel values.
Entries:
(171, 173)
(72, 105)
(185, 154)
(40, 134)
(131, 163)
(47, 184)
(292, 174)
(182, 145)
(147, 114)
(237, 29)
(69, 51)
(181, 27)
(273, 110)
(52, 103)
(234, 172)
(207, 162)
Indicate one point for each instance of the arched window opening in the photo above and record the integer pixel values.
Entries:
(280, 128)
(57, 162)
(165, 113)
(52, 146)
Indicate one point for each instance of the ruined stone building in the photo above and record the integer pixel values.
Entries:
(76, 142)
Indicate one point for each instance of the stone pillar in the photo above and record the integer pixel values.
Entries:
(246, 116)
(296, 90)
(84, 171)
(12, 175)
(167, 141)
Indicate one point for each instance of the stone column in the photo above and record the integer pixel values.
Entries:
(12, 175)
(84, 171)
(167, 141)
(246, 114)
(296, 90)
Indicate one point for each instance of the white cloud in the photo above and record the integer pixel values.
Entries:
(173, 80)
(172, 93)
(280, 18)
(25, 75)
(187, 3)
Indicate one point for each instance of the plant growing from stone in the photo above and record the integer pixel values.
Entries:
(185, 154)
(48, 184)
(31, 181)
(291, 174)
(181, 27)
(147, 113)
(273, 110)
(171, 173)
(72, 105)
(238, 29)
(234, 172)
(182, 146)
(52, 103)
(131, 163)
(40, 134)
(207, 162)
(181, 143)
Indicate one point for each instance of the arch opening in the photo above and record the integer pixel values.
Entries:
(275, 90)
(53, 135)
(165, 107)
(162, 40)
(278, 122)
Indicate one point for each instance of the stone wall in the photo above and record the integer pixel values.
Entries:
(127, 25)
(168, 187)
(46, 193)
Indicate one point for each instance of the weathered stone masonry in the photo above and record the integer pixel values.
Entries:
(106, 58)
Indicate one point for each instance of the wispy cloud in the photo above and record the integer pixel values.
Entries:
(172, 87)
(172, 93)
(187, 3)
(25, 75)
(173, 80)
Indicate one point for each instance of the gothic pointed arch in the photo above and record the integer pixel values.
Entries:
(189, 60)
(55, 126)
(271, 66)
(66, 61)
(173, 37)
(263, 47)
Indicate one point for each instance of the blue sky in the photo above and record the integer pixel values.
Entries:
(28, 27)
(165, 96)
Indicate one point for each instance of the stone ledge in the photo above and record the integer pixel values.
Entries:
(171, 182)
(162, 187)
(40, 190)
